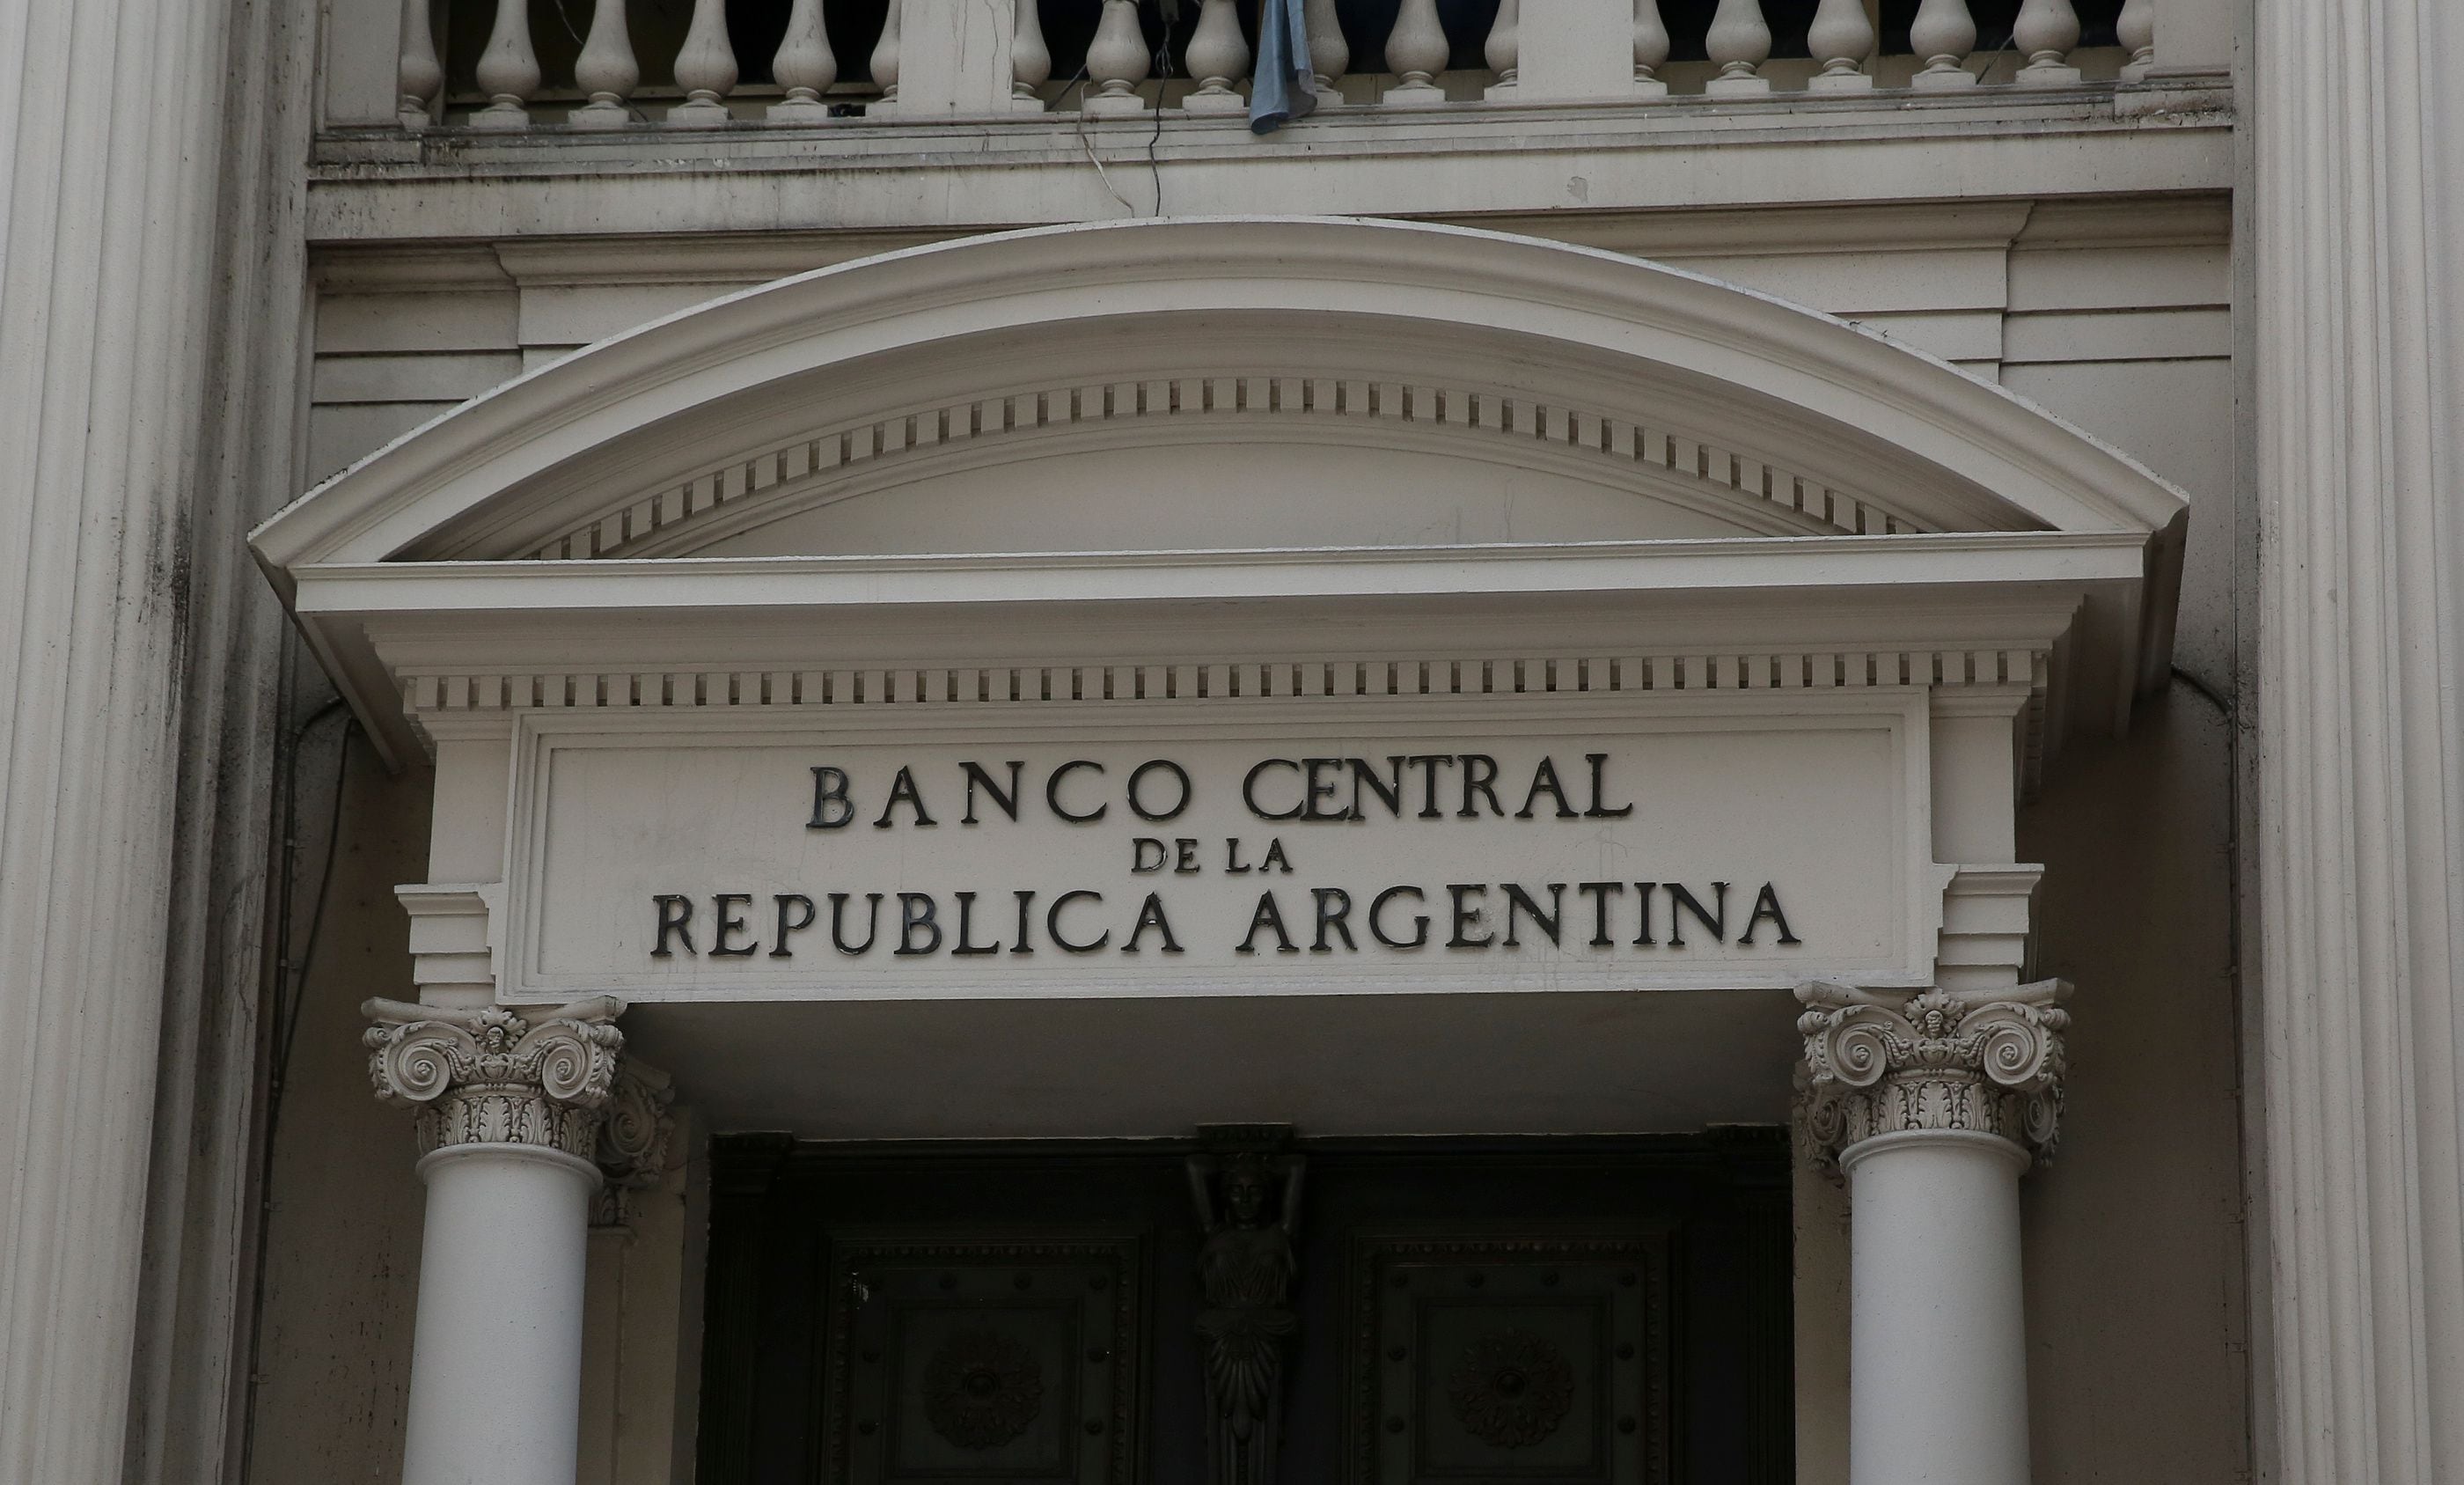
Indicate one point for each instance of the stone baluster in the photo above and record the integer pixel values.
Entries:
(1650, 49)
(705, 69)
(804, 65)
(1117, 61)
(2045, 32)
(1933, 1103)
(1943, 34)
(1030, 59)
(1415, 52)
(510, 1106)
(417, 74)
(1330, 52)
(509, 70)
(2136, 30)
(884, 63)
(1740, 41)
(1841, 38)
(1503, 51)
(1218, 58)
(606, 70)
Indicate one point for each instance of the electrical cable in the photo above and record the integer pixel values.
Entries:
(1078, 116)
(287, 992)
(297, 996)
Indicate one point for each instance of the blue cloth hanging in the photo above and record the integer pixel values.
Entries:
(1282, 88)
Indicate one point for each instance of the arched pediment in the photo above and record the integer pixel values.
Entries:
(1226, 385)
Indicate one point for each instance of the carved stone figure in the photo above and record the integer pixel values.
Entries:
(1247, 1269)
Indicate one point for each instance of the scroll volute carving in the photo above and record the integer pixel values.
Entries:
(491, 1074)
(1885, 1062)
(1246, 1185)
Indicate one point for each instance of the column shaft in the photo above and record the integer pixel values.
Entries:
(496, 1379)
(1938, 1348)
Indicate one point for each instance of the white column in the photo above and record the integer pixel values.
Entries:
(1934, 1103)
(510, 1107)
(2358, 1005)
(119, 123)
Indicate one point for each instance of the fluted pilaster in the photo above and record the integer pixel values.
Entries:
(113, 138)
(2358, 306)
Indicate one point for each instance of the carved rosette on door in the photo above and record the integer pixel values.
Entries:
(1545, 1360)
(1015, 1362)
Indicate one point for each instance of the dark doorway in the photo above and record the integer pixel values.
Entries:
(1533, 1311)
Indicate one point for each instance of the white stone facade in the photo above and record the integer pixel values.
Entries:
(2006, 497)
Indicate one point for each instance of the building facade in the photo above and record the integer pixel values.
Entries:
(1621, 741)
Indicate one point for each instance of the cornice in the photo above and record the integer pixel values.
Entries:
(365, 185)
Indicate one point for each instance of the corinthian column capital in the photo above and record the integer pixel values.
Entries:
(493, 1076)
(1883, 1062)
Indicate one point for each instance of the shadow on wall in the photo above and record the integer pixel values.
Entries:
(341, 1261)
(2136, 1305)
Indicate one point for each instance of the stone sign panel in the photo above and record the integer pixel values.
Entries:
(1490, 847)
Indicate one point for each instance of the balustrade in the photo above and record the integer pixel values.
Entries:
(1193, 57)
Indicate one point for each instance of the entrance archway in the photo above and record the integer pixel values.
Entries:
(1194, 656)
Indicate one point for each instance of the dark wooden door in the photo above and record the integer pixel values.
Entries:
(1499, 1312)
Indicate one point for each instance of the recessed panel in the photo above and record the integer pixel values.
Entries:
(1407, 849)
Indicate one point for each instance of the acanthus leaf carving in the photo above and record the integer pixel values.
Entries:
(1880, 1062)
(491, 1074)
(632, 1142)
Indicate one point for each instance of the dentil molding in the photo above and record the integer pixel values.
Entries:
(1883, 1062)
(490, 1076)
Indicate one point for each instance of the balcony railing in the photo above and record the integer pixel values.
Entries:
(658, 65)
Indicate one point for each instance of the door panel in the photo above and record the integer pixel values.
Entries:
(1501, 1312)
(1510, 1359)
(957, 1360)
